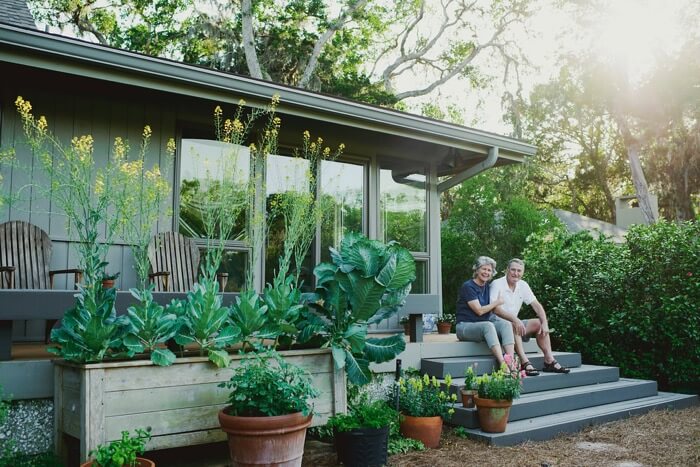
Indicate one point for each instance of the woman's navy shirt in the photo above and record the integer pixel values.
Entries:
(469, 291)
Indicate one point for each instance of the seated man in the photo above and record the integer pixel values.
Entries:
(514, 292)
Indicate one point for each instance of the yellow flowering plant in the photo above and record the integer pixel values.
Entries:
(425, 397)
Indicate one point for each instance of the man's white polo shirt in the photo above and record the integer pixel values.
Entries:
(513, 298)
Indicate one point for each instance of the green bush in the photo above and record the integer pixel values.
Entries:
(633, 305)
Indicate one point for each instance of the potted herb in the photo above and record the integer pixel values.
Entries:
(469, 389)
(445, 322)
(423, 404)
(361, 436)
(495, 394)
(108, 280)
(122, 452)
(268, 411)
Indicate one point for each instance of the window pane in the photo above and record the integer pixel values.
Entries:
(207, 167)
(402, 213)
(235, 263)
(419, 286)
(285, 176)
(342, 192)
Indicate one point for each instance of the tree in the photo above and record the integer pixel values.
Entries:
(361, 49)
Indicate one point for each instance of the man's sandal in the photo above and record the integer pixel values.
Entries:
(529, 369)
(554, 367)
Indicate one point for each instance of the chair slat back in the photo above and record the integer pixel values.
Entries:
(179, 255)
(28, 249)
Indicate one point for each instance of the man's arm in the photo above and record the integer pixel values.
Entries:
(539, 311)
(480, 309)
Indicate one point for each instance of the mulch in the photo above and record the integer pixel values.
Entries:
(658, 438)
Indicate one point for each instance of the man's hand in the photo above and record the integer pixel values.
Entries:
(499, 301)
(519, 327)
(544, 328)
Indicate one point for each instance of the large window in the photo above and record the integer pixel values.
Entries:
(343, 194)
(403, 205)
(207, 167)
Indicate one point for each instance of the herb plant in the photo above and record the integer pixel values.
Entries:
(503, 384)
(470, 378)
(424, 397)
(123, 452)
(265, 385)
(376, 414)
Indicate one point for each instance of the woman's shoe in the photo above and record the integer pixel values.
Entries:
(529, 369)
(554, 367)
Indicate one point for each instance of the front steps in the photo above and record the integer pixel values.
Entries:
(551, 404)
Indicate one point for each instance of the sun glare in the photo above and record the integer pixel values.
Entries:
(632, 32)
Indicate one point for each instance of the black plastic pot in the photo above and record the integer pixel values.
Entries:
(363, 447)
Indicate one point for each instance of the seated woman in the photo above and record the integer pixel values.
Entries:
(474, 311)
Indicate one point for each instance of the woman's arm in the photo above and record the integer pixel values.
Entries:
(480, 309)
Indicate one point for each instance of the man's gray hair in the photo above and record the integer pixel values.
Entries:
(516, 261)
(482, 260)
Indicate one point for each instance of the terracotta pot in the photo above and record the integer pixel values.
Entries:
(107, 283)
(444, 328)
(424, 429)
(140, 462)
(493, 414)
(270, 441)
(406, 329)
(468, 398)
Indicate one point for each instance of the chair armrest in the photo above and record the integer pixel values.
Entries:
(222, 277)
(7, 268)
(165, 275)
(77, 275)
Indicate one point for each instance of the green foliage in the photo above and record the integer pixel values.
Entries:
(90, 331)
(502, 384)
(283, 301)
(377, 414)
(367, 282)
(265, 385)
(643, 293)
(460, 432)
(205, 322)
(400, 445)
(470, 378)
(446, 318)
(484, 220)
(149, 326)
(424, 397)
(123, 452)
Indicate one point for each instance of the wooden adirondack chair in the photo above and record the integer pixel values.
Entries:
(175, 263)
(25, 255)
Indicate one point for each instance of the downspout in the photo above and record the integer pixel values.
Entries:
(486, 164)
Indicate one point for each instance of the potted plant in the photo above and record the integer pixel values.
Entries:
(495, 394)
(268, 411)
(108, 280)
(469, 389)
(404, 322)
(423, 404)
(445, 322)
(122, 452)
(361, 436)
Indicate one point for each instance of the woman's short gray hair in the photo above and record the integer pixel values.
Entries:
(482, 260)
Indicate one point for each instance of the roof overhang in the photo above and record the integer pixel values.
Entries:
(464, 147)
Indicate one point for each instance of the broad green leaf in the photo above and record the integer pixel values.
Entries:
(220, 358)
(365, 298)
(162, 357)
(383, 349)
(133, 343)
(357, 370)
(355, 335)
(338, 356)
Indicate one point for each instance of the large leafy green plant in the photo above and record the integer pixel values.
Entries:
(149, 326)
(91, 330)
(367, 282)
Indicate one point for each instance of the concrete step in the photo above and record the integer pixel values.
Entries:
(579, 376)
(540, 404)
(456, 366)
(549, 426)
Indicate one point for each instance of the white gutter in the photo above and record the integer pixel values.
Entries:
(487, 163)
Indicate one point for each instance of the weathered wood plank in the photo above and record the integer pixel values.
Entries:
(215, 435)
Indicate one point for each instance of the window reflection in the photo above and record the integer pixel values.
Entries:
(342, 194)
(403, 206)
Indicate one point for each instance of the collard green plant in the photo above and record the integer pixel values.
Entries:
(149, 324)
(265, 385)
(91, 330)
(249, 315)
(283, 300)
(205, 322)
(123, 452)
(367, 282)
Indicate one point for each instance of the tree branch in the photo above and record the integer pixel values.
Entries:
(251, 55)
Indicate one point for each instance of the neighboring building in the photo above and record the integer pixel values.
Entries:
(576, 223)
(628, 212)
(16, 13)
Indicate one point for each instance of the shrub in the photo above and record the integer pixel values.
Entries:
(643, 294)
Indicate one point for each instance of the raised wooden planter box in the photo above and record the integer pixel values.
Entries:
(95, 402)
